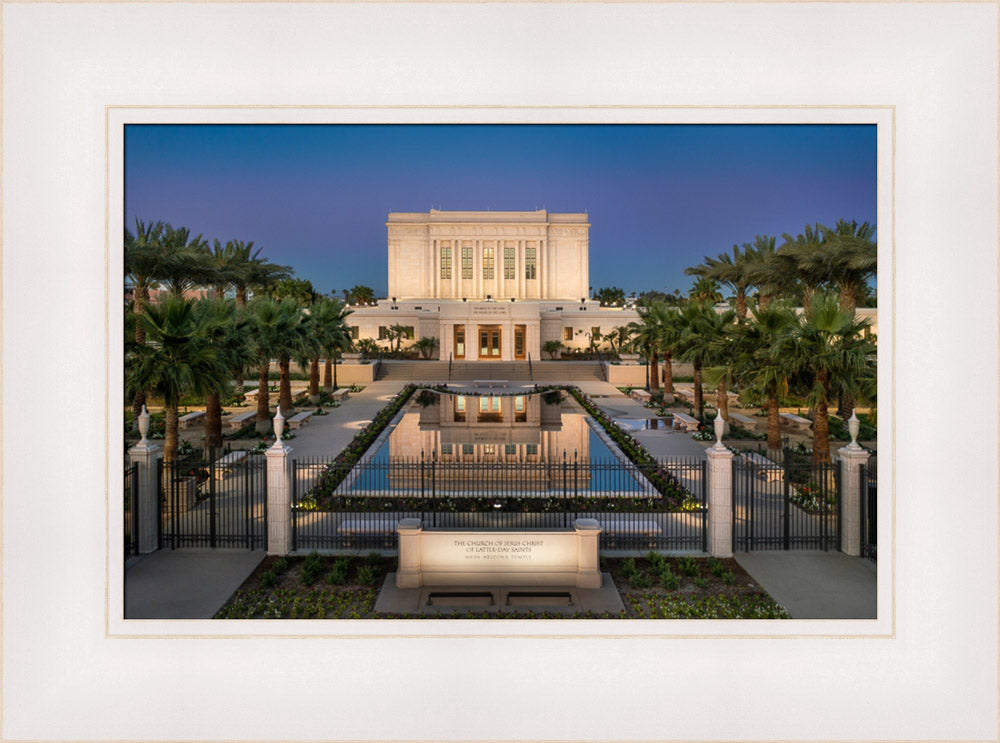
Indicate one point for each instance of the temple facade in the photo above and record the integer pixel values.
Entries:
(489, 286)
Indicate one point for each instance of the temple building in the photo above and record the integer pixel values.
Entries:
(490, 286)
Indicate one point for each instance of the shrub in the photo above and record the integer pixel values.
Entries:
(629, 569)
(668, 580)
(701, 582)
(280, 566)
(688, 566)
(640, 580)
(269, 579)
(374, 559)
(340, 571)
(311, 568)
(367, 575)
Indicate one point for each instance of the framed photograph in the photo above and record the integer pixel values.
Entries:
(170, 111)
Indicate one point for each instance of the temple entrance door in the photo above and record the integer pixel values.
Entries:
(459, 341)
(489, 342)
(519, 352)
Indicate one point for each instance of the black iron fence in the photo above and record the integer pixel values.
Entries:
(216, 502)
(336, 506)
(131, 513)
(869, 508)
(794, 504)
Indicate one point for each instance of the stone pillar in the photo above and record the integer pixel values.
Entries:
(720, 501)
(408, 574)
(852, 456)
(279, 499)
(588, 572)
(147, 455)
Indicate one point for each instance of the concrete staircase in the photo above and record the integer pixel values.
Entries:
(541, 371)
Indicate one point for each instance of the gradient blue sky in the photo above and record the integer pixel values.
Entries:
(660, 197)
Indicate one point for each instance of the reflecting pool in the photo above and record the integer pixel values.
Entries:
(513, 443)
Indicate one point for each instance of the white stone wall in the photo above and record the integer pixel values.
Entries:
(560, 242)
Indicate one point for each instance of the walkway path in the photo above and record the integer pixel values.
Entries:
(185, 584)
(324, 436)
(815, 585)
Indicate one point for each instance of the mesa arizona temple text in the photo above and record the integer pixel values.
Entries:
(490, 286)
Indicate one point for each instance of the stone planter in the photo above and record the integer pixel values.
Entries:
(629, 358)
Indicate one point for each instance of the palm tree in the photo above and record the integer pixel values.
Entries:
(367, 347)
(618, 337)
(254, 273)
(426, 346)
(758, 368)
(731, 271)
(852, 258)
(701, 328)
(704, 344)
(803, 258)
(646, 339)
(329, 316)
(397, 333)
(178, 358)
(271, 324)
(144, 265)
(705, 290)
(760, 269)
(188, 261)
(226, 325)
(248, 271)
(828, 346)
(359, 294)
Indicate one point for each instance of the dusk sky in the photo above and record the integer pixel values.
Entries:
(660, 197)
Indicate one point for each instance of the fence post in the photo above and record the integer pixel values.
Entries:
(147, 454)
(279, 493)
(720, 499)
(852, 457)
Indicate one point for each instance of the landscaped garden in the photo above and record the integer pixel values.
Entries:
(652, 587)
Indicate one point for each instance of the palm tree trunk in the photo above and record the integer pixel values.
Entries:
(335, 353)
(845, 298)
(668, 374)
(328, 376)
(741, 304)
(699, 400)
(773, 427)
(141, 295)
(263, 401)
(240, 394)
(170, 436)
(213, 422)
(654, 373)
(285, 386)
(821, 425)
(314, 380)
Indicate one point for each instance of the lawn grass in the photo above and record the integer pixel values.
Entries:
(651, 587)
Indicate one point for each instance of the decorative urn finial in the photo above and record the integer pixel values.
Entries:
(279, 426)
(853, 426)
(143, 425)
(720, 428)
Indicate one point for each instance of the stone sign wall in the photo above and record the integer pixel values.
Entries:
(498, 558)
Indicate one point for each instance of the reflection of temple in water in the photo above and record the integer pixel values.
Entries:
(469, 436)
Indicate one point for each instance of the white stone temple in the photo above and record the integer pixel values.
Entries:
(490, 286)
